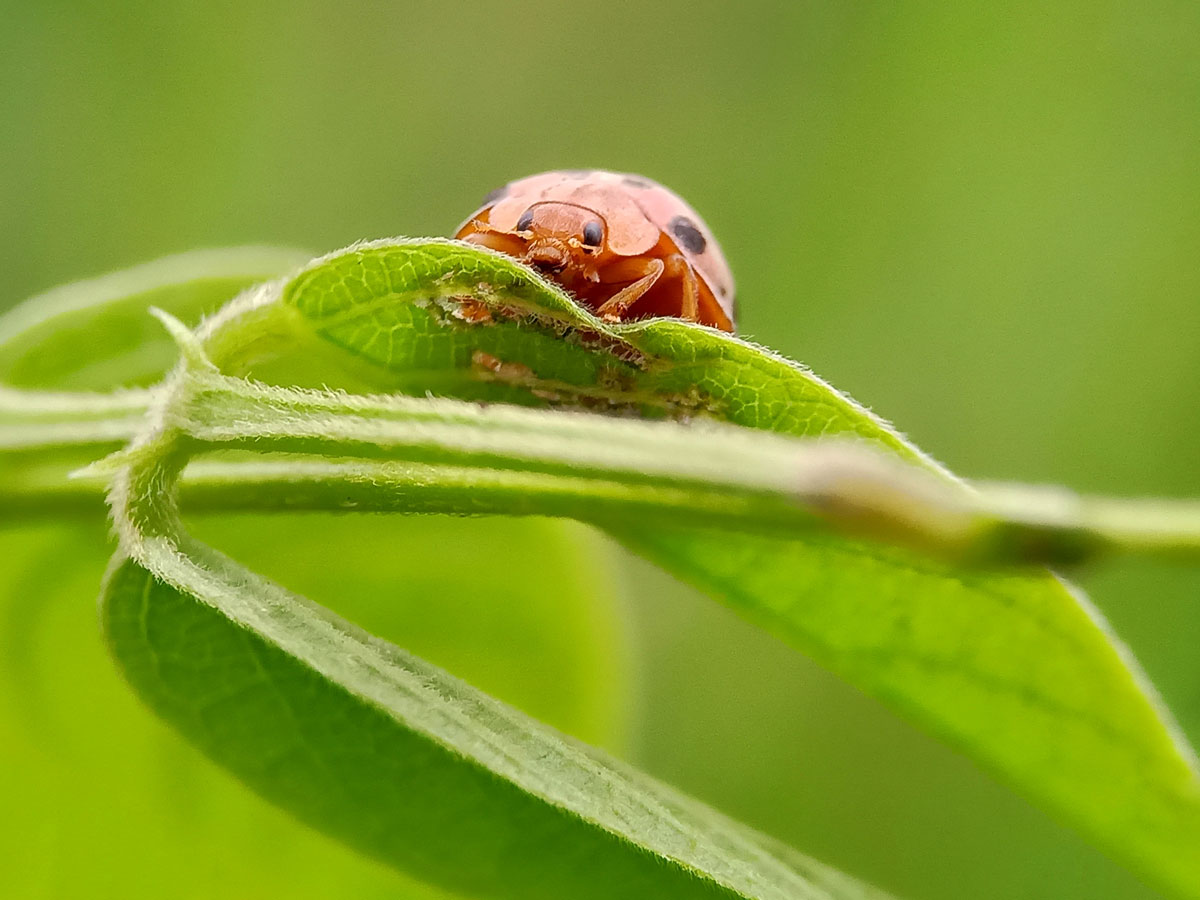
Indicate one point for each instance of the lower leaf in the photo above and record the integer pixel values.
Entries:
(414, 767)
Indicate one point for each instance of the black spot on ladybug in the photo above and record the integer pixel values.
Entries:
(525, 221)
(688, 235)
(495, 195)
(640, 183)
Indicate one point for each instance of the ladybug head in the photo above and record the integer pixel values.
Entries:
(561, 233)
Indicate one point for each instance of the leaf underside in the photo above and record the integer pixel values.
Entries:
(377, 758)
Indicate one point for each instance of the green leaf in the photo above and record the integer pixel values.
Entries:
(386, 751)
(133, 809)
(95, 334)
(1009, 667)
(412, 765)
(1016, 670)
(100, 799)
(531, 619)
(91, 336)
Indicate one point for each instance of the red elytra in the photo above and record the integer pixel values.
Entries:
(623, 245)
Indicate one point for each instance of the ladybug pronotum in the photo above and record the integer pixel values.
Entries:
(623, 245)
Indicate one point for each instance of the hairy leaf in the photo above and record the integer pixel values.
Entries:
(414, 766)
(1017, 670)
(1010, 667)
(130, 809)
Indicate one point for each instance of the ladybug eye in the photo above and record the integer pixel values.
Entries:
(593, 233)
(526, 221)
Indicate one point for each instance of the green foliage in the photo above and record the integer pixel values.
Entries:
(978, 219)
(74, 739)
(416, 767)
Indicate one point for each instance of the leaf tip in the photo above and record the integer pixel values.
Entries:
(103, 468)
(185, 339)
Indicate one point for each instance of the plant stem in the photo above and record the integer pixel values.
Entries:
(406, 454)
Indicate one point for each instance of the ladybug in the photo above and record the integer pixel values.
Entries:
(623, 245)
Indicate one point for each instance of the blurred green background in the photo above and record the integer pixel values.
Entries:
(982, 220)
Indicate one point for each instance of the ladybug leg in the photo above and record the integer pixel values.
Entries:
(500, 241)
(646, 271)
(678, 267)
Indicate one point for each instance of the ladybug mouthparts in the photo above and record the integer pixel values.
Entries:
(548, 254)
